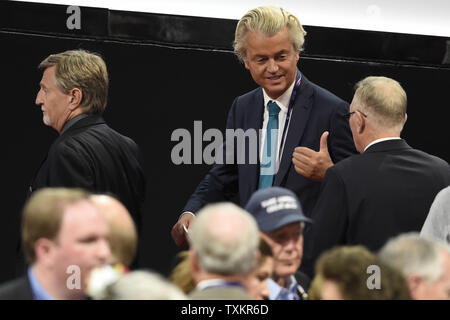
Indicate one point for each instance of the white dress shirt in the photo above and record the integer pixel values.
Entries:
(283, 102)
(381, 140)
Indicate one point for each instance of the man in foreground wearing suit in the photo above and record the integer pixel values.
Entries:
(292, 113)
(386, 190)
(224, 249)
(64, 238)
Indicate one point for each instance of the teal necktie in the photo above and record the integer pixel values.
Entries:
(267, 170)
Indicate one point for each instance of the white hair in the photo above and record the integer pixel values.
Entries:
(414, 255)
(143, 285)
(225, 239)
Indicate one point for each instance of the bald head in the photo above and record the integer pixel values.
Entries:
(383, 100)
(122, 235)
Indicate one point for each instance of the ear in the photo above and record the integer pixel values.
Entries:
(361, 122)
(76, 95)
(246, 64)
(193, 257)
(43, 249)
(195, 268)
(406, 117)
(414, 283)
(297, 56)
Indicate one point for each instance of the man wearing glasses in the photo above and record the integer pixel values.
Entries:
(386, 190)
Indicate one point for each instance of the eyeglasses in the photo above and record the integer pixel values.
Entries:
(348, 115)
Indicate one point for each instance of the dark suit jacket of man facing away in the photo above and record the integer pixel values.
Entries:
(18, 289)
(315, 110)
(369, 198)
(91, 155)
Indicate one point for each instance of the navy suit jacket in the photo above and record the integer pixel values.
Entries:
(369, 198)
(315, 110)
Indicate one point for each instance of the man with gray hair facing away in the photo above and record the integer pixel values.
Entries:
(425, 264)
(224, 248)
(386, 190)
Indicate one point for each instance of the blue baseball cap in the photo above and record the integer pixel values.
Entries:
(274, 208)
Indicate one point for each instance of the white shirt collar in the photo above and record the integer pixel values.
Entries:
(283, 100)
(277, 292)
(381, 140)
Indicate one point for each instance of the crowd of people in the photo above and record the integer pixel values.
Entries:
(338, 205)
(75, 250)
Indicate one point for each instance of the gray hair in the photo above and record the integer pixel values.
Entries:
(414, 255)
(225, 238)
(83, 70)
(383, 99)
(143, 285)
(269, 20)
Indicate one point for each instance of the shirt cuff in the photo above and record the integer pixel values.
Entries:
(184, 214)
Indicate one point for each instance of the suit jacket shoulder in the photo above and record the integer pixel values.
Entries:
(18, 289)
(368, 198)
(393, 155)
(93, 156)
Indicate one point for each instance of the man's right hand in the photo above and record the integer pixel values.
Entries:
(178, 233)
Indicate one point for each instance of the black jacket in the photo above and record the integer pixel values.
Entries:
(368, 198)
(91, 155)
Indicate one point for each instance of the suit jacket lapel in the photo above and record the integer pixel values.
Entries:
(299, 119)
(255, 122)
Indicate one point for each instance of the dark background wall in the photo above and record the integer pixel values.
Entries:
(167, 72)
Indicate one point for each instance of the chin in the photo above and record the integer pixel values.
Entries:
(46, 121)
(275, 93)
(286, 271)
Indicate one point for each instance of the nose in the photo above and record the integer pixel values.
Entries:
(39, 101)
(272, 66)
(290, 245)
(104, 251)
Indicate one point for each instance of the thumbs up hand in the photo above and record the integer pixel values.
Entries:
(313, 164)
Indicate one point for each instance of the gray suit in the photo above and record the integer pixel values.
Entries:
(437, 223)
